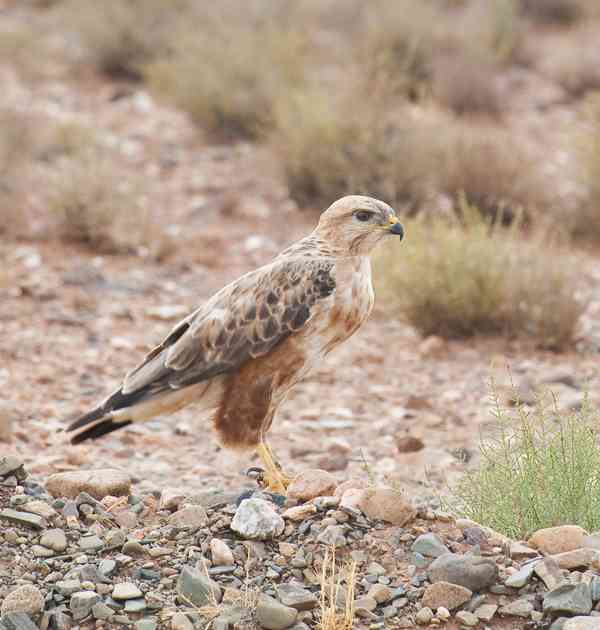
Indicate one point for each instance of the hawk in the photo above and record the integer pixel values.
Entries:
(238, 355)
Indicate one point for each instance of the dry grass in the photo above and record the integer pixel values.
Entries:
(337, 611)
(16, 149)
(584, 223)
(564, 12)
(473, 276)
(228, 74)
(334, 142)
(119, 37)
(493, 169)
(92, 204)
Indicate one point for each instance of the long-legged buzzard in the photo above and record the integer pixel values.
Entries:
(239, 354)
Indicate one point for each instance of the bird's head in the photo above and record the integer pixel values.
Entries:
(354, 225)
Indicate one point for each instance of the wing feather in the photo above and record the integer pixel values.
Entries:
(245, 320)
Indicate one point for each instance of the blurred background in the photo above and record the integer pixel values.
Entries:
(152, 150)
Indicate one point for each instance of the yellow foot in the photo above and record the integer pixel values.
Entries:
(272, 478)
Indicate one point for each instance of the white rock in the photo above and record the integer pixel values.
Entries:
(257, 519)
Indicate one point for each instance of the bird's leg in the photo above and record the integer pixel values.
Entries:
(273, 478)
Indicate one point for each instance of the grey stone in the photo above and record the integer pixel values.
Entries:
(98, 483)
(486, 612)
(107, 567)
(102, 611)
(430, 546)
(90, 543)
(424, 616)
(467, 618)
(521, 577)
(549, 572)
(82, 602)
(195, 588)
(472, 572)
(274, 616)
(148, 623)
(55, 539)
(518, 608)
(333, 535)
(24, 518)
(257, 519)
(126, 590)
(41, 552)
(68, 587)
(10, 464)
(570, 599)
(17, 621)
(135, 605)
(189, 517)
(296, 596)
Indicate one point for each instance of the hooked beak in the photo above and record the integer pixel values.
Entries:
(396, 228)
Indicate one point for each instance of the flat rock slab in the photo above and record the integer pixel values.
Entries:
(24, 518)
(582, 623)
(18, 621)
(98, 483)
(570, 599)
(472, 572)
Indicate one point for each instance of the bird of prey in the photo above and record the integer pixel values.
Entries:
(238, 355)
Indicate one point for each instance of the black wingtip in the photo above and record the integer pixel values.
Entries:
(98, 429)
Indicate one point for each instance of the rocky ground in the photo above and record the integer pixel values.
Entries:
(80, 550)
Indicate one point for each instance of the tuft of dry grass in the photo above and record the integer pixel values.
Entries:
(473, 276)
(93, 205)
(16, 149)
(229, 74)
(584, 222)
(330, 143)
(337, 611)
(492, 169)
(563, 12)
(120, 37)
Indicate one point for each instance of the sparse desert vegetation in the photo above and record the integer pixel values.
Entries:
(152, 151)
(477, 277)
(539, 468)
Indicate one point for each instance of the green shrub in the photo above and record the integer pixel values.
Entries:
(457, 278)
(539, 468)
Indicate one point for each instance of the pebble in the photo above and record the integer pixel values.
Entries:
(553, 540)
(429, 545)
(570, 599)
(17, 621)
(273, 615)
(296, 596)
(311, 484)
(582, 623)
(380, 593)
(55, 539)
(197, 589)
(300, 512)
(171, 498)
(333, 535)
(486, 612)
(24, 518)
(90, 543)
(180, 621)
(68, 587)
(221, 554)
(101, 611)
(518, 608)
(257, 519)
(473, 572)
(10, 464)
(149, 623)
(446, 595)
(521, 577)
(24, 599)
(98, 483)
(189, 517)
(576, 558)
(467, 618)
(41, 508)
(126, 590)
(423, 616)
(81, 603)
(387, 504)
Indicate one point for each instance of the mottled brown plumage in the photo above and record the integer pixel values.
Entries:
(239, 354)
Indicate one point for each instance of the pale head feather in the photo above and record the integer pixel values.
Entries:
(341, 227)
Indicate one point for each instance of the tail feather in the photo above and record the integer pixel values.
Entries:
(99, 421)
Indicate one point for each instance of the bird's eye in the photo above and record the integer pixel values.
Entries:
(363, 215)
